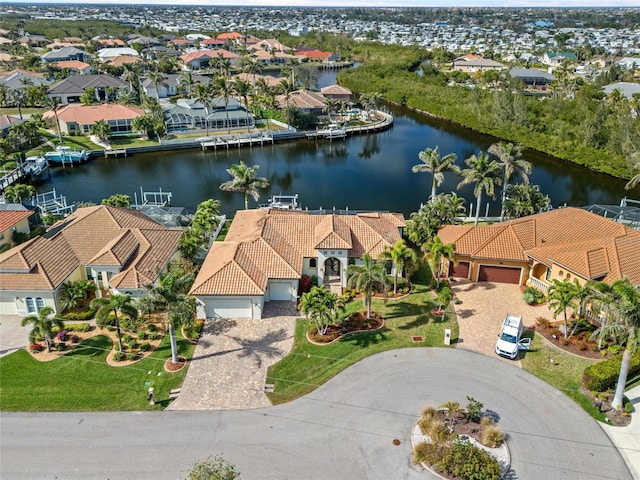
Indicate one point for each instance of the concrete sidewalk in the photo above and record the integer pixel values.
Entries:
(627, 439)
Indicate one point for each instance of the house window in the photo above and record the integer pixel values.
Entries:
(547, 276)
(568, 276)
(39, 303)
(352, 261)
(31, 306)
(313, 263)
(561, 273)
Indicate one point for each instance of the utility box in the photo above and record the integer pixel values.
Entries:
(447, 336)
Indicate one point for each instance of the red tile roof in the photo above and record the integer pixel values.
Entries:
(9, 218)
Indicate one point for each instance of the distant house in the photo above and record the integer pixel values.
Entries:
(65, 54)
(20, 79)
(630, 63)
(267, 251)
(556, 58)
(318, 56)
(199, 59)
(337, 92)
(121, 250)
(72, 88)
(537, 249)
(304, 100)
(110, 42)
(14, 217)
(78, 119)
(75, 67)
(532, 77)
(189, 114)
(121, 60)
(628, 89)
(7, 122)
(475, 63)
(105, 54)
(171, 85)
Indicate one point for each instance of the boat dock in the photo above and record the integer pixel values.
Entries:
(11, 177)
(237, 140)
(115, 152)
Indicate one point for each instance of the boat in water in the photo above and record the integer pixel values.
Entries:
(34, 166)
(333, 131)
(64, 155)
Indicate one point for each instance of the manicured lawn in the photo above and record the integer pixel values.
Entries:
(308, 366)
(82, 381)
(565, 373)
(13, 111)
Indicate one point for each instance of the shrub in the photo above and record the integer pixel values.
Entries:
(425, 424)
(151, 327)
(583, 345)
(438, 432)
(126, 338)
(61, 335)
(153, 335)
(132, 343)
(77, 327)
(131, 356)
(118, 356)
(614, 349)
(542, 322)
(428, 453)
(463, 460)
(491, 436)
(36, 347)
(603, 375)
(486, 422)
(451, 406)
(141, 335)
(444, 295)
(87, 315)
(532, 296)
(145, 347)
(564, 341)
(429, 411)
(474, 409)
(61, 347)
(75, 338)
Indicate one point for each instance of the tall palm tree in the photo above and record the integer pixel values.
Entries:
(436, 165)
(484, 173)
(242, 88)
(366, 278)
(284, 87)
(435, 251)
(561, 296)
(251, 66)
(157, 78)
(510, 156)
(245, 179)
(187, 84)
(202, 94)
(118, 305)
(402, 257)
(54, 104)
(329, 105)
(43, 325)
(221, 87)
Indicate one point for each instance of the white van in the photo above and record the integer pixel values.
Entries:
(509, 338)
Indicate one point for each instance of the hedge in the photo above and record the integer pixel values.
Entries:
(87, 315)
(603, 376)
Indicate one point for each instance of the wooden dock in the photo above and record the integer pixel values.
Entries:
(115, 152)
(11, 177)
(237, 141)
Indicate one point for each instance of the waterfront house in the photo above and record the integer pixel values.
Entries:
(66, 53)
(337, 92)
(119, 249)
(474, 63)
(304, 100)
(202, 59)
(7, 122)
(188, 114)
(78, 119)
(532, 77)
(267, 251)
(563, 244)
(75, 67)
(72, 88)
(171, 85)
(14, 218)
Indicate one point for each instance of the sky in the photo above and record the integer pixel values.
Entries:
(361, 3)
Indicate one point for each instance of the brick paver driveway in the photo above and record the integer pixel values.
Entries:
(230, 362)
(483, 309)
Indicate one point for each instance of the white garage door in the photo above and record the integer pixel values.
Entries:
(228, 308)
(280, 291)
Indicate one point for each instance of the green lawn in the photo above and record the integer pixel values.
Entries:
(13, 111)
(565, 373)
(308, 366)
(82, 381)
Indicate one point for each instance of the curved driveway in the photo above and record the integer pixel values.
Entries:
(342, 430)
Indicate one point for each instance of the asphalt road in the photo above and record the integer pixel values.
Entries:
(343, 430)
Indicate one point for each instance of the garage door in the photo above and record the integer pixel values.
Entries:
(461, 270)
(280, 291)
(228, 308)
(491, 273)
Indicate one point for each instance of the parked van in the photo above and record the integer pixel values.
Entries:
(510, 337)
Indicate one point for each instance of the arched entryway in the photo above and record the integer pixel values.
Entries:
(332, 274)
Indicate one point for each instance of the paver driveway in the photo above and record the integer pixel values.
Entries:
(483, 309)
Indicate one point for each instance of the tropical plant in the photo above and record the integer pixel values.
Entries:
(485, 173)
(102, 130)
(119, 306)
(634, 160)
(510, 156)
(213, 469)
(322, 307)
(367, 278)
(523, 200)
(198, 234)
(561, 295)
(54, 104)
(18, 192)
(221, 87)
(436, 165)
(403, 258)
(72, 294)
(245, 179)
(117, 200)
(435, 252)
(43, 326)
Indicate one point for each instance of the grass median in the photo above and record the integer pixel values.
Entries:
(81, 380)
(308, 366)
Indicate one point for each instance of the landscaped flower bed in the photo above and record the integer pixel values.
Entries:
(358, 322)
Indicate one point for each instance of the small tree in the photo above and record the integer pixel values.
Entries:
(561, 296)
(117, 200)
(403, 258)
(102, 130)
(43, 325)
(366, 278)
(321, 306)
(213, 469)
(117, 305)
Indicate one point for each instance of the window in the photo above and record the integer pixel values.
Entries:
(352, 261)
(547, 276)
(568, 276)
(313, 263)
(39, 303)
(31, 306)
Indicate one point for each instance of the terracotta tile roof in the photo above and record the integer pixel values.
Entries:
(591, 246)
(211, 54)
(73, 64)
(335, 90)
(100, 236)
(267, 244)
(305, 99)
(89, 114)
(8, 218)
(121, 60)
(229, 35)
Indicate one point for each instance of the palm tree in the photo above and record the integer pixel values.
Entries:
(242, 88)
(320, 306)
(157, 78)
(402, 257)
(245, 179)
(54, 103)
(436, 165)
(510, 156)
(43, 325)
(202, 94)
(187, 84)
(329, 104)
(561, 296)
(118, 305)
(221, 87)
(435, 252)
(284, 87)
(366, 278)
(75, 293)
(484, 173)
(635, 163)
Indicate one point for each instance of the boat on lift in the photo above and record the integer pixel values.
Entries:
(34, 166)
(64, 155)
(332, 130)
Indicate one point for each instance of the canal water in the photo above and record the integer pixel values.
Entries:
(368, 172)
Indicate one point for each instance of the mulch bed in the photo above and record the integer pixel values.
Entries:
(575, 345)
(174, 367)
(358, 322)
(615, 417)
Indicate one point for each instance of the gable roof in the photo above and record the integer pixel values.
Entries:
(305, 99)
(9, 218)
(72, 64)
(265, 244)
(89, 114)
(593, 248)
(122, 239)
(335, 90)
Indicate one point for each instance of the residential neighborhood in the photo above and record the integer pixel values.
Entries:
(233, 326)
